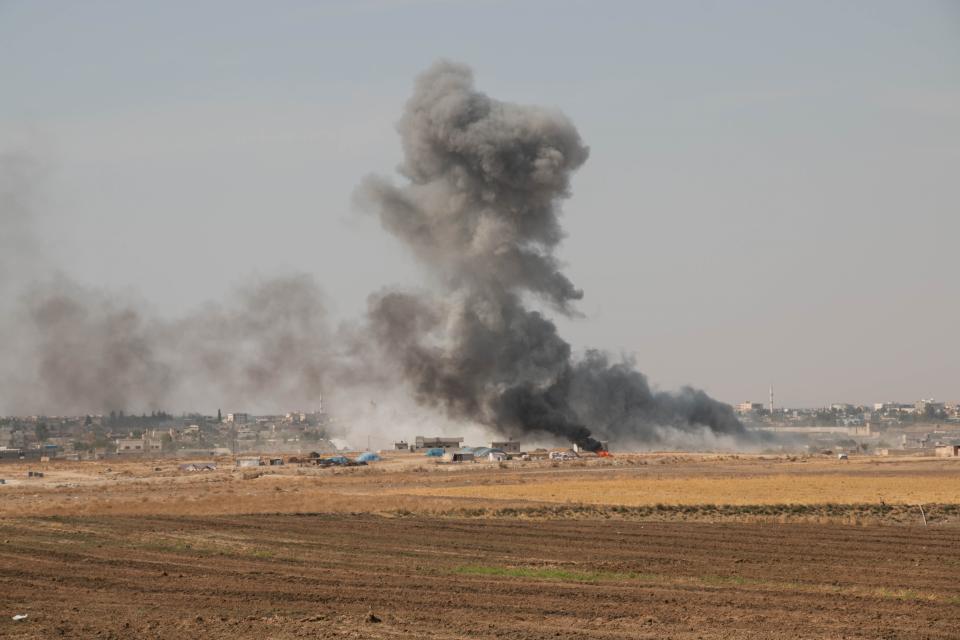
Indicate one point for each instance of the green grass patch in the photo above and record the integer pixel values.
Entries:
(554, 573)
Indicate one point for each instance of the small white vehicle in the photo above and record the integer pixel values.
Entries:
(843, 456)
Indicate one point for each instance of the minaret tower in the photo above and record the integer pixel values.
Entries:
(771, 400)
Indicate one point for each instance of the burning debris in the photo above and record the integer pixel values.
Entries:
(480, 209)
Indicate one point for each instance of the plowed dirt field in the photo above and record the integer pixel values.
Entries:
(372, 576)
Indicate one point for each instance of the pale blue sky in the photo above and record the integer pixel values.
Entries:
(771, 194)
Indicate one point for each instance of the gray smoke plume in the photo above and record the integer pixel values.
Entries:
(82, 350)
(480, 209)
(73, 349)
(18, 174)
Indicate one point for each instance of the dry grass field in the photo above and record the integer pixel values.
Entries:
(407, 483)
(762, 489)
(637, 546)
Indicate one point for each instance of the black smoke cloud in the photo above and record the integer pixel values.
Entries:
(480, 209)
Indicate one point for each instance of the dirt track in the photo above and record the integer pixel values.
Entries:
(289, 576)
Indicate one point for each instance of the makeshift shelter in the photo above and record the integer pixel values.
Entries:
(368, 456)
(436, 452)
(199, 466)
(459, 456)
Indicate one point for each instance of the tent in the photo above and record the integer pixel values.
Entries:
(368, 456)
(435, 453)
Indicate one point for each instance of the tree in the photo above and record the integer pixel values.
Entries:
(42, 431)
(219, 417)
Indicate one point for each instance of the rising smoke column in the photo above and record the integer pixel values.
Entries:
(480, 209)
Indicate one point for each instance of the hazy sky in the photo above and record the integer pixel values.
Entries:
(772, 192)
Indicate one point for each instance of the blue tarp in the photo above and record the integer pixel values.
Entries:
(435, 453)
(338, 460)
(368, 456)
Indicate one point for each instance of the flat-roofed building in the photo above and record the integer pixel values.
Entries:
(749, 407)
(437, 442)
(507, 446)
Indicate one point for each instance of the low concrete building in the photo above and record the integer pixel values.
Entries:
(437, 442)
(508, 446)
(749, 407)
(142, 445)
(20, 454)
(948, 451)
(130, 445)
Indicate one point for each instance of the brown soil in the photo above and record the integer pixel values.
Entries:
(326, 576)
(638, 546)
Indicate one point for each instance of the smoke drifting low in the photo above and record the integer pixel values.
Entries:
(479, 209)
(74, 349)
(83, 350)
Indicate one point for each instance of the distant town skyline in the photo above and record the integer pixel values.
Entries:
(770, 195)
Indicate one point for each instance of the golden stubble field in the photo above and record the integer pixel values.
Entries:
(405, 483)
